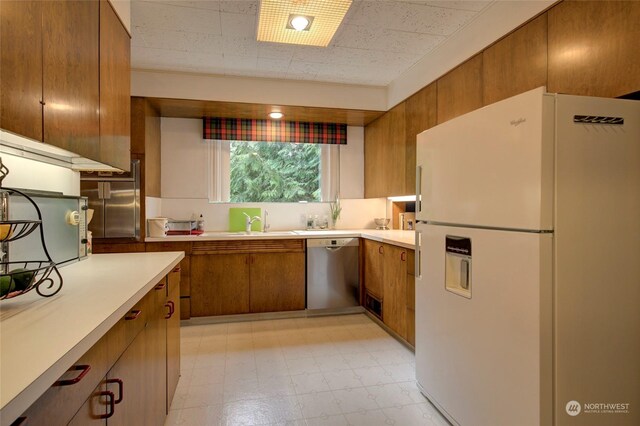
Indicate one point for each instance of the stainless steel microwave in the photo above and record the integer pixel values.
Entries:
(64, 223)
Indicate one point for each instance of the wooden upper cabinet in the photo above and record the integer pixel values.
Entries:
(420, 115)
(517, 63)
(145, 140)
(115, 89)
(594, 48)
(384, 154)
(71, 76)
(21, 82)
(460, 91)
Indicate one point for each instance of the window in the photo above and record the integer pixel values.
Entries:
(243, 172)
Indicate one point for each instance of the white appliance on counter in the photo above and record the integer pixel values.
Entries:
(528, 263)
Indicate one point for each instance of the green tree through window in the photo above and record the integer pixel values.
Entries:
(274, 172)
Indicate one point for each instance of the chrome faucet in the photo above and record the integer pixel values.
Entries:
(265, 223)
(249, 221)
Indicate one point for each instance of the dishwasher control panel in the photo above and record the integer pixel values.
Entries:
(332, 242)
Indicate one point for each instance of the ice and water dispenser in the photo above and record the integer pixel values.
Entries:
(457, 275)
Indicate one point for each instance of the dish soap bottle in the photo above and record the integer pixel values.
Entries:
(200, 224)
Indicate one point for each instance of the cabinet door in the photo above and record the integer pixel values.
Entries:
(219, 284)
(277, 282)
(395, 153)
(129, 375)
(71, 85)
(155, 358)
(21, 65)
(173, 337)
(374, 160)
(373, 267)
(115, 89)
(420, 115)
(460, 91)
(395, 291)
(593, 48)
(411, 298)
(95, 409)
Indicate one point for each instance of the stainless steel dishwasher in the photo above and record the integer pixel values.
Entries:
(333, 278)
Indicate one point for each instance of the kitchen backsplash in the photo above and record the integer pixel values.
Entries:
(356, 213)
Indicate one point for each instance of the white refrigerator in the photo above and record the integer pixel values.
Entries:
(528, 263)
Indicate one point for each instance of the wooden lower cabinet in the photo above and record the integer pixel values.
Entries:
(374, 267)
(394, 303)
(277, 282)
(94, 411)
(388, 275)
(220, 284)
(239, 277)
(126, 380)
(140, 379)
(172, 319)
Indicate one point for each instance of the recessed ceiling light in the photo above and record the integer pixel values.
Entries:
(299, 22)
(324, 16)
(276, 115)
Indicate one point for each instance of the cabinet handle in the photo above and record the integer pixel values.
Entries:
(172, 309)
(111, 402)
(176, 269)
(381, 249)
(133, 315)
(84, 368)
(403, 256)
(120, 389)
(43, 103)
(160, 286)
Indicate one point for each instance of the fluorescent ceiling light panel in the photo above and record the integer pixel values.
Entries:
(275, 14)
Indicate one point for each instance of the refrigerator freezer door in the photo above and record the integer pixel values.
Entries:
(492, 167)
(486, 360)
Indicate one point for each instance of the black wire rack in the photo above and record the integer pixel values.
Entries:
(20, 277)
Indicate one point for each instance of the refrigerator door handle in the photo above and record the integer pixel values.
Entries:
(106, 190)
(418, 260)
(418, 189)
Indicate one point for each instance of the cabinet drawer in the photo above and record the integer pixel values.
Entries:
(120, 336)
(65, 397)
(170, 246)
(248, 246)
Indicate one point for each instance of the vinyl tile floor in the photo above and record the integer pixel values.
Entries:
(333, 370)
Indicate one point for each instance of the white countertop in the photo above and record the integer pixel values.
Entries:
(40, 338)
(404, 239)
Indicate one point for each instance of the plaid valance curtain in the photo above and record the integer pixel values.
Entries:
(240, 129)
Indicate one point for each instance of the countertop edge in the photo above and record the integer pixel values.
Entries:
(374, 235)
(24, 399)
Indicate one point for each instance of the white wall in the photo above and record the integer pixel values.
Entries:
(184, 159)
(31, 174)
(178, 85)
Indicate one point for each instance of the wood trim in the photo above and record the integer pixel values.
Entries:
(185, 108)
(248, 246)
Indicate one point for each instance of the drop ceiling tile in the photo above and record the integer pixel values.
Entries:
(208, 5)
(360, 37)
(411, 17)
(204, 43)
(240, 6)
(238, 25)
(273, 65)
(473, 5)
(240, 63)
(239, 46)
(276, 51)
(303, 69)
(156, 38)
(168, 16)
